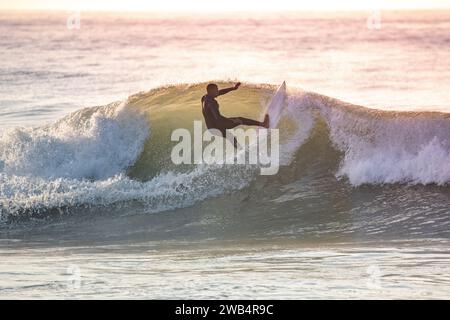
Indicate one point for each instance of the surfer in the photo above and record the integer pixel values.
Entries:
(213, 118)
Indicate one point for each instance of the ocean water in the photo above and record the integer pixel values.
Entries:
(91, 205)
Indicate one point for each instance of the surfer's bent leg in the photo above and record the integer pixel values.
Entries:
(230, 137)
(250, 122)
(247, 122)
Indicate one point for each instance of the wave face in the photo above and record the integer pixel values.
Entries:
(333, 154)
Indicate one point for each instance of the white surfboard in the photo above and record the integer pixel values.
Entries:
(276, 105)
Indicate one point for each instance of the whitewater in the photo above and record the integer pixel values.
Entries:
(87, 182)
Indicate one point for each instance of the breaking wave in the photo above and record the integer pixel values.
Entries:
(120, 153)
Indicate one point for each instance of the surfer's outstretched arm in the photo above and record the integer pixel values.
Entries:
(226, 90)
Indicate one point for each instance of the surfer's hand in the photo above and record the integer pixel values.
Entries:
(237, 85)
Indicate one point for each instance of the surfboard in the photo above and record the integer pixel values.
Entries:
(276, 105)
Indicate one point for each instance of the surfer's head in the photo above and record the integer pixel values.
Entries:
(212, 89)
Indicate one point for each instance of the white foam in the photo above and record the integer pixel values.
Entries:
(164, 192)
(430, 164)
(388, 147)
(92, 143)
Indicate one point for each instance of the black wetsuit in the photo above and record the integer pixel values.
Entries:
(213, 118)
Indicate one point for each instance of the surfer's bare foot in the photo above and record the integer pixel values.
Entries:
(265, 123)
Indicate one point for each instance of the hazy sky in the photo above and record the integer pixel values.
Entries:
(220, 5)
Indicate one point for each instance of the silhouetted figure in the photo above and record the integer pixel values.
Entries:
(213, 118)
